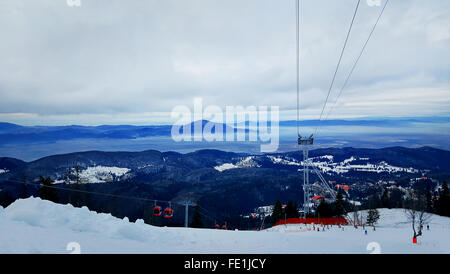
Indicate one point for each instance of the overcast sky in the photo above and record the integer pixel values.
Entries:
(132, 62)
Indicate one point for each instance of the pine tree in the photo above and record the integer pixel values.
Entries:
(197, 218)
(372, 216)
(277, 213)
(291, 210)
(339, 204)
(324, 210)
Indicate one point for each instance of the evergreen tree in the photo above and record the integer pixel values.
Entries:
(197, 218)
(324, 210)
(277, 213)
(291, 210)
(372, 216)
(339, 204)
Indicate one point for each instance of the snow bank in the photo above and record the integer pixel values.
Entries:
(37, 226)
(3, 171)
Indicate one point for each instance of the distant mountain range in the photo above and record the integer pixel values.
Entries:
(226, 183)
(16, 134)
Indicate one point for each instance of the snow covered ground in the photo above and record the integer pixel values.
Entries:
(246, 162)
(327, 165)
(36, 226)
(102, 174)
(99, 174)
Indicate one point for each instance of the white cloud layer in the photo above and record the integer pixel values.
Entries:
(111, 61)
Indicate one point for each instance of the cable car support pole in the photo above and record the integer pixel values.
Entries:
(186, 212)
(303, 142)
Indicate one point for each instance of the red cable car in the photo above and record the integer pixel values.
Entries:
(168, 212)
(157, 211)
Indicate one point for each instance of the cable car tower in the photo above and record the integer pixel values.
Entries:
(304, 142)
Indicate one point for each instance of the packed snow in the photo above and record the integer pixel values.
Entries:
(36, 226)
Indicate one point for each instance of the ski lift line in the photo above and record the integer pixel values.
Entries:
(209, 213)
(118, 196)
(207, 216)
(357, 60)
(95, 193)
(212, 219)
(338, 64)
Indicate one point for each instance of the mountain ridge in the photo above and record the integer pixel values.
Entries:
(226, 183)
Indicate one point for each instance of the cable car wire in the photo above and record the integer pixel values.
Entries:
(338, 65)
(111, 195)
(92, 192)
(357, 60)
(209, 213)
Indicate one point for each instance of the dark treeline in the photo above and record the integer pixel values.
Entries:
(437, 202)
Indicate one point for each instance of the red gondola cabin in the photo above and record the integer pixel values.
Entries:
(157, 211)
(168, 213)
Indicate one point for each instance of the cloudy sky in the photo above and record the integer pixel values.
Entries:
(132, 62)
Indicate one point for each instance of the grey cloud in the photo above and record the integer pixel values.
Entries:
(131, 57)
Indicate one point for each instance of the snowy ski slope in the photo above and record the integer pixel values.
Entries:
(36, 226)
